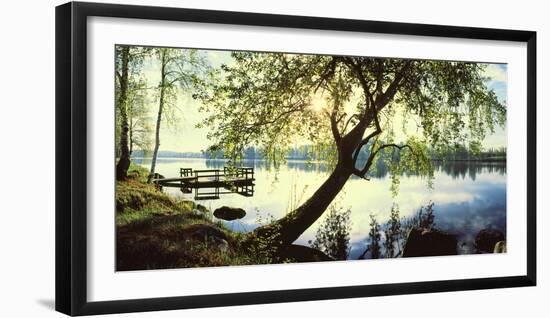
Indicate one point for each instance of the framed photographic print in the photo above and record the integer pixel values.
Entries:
(208, 158)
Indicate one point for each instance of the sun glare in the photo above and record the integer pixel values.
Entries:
(318, 103)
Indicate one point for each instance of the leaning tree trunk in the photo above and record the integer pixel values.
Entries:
(124, 160)
(159, 120)
(286, 230)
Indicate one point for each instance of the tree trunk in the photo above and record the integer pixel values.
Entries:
(131, 136)
(131, 142)
(286, 230)
(159, 119)
(124, 160)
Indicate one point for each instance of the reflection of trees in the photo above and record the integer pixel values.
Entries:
(260, 164)
(455, 169)
(388, 240)
(459, 169)
(333, 235)
(393, 234)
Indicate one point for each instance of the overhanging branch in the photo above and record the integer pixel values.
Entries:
(361, 173)
(334, 127)
(392, 89)
(369, 137)
(327, 74)
(349, 121)
(356, 68)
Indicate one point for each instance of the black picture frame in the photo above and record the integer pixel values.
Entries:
(71, 157)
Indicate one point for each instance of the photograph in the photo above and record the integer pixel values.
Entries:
(232, 158)
(274, 159)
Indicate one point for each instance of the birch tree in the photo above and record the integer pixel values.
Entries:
(179, 69)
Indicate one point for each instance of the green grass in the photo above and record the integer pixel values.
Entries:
(154, 230)
(138, 172)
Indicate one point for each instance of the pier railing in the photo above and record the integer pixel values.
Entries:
(210, 183)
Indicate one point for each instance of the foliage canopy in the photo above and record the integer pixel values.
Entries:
(342, 104)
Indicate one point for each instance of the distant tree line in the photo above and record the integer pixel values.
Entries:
(311, 152)
(461, 153)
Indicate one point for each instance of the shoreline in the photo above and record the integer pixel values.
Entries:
(497, 160)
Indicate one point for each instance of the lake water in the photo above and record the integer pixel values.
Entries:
(467, 196)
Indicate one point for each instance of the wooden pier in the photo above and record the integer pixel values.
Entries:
(209, 184)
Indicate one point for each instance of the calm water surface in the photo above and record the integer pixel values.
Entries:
(468, 196)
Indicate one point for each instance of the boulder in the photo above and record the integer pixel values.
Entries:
(229, 214)
(486, 240)
(422, 242)
(302, 254)
(500, 247)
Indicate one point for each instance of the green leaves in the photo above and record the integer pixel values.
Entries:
(413, 157)
(452, 101)
(262, 100)
(273, 101)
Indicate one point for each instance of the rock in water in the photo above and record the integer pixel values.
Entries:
(421, 242)
(486, 240)
(229, 214)
(500, 247)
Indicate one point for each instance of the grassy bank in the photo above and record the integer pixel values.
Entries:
(154, 230)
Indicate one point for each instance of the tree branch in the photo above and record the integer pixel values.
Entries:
(390, 92)
(334, 120)
(378, 88)
(348, 122)
(334, 127)
(366, 140)
(357, 70)
(177, 79)
(377, 104)
(297, 106)
(327, 73)
(361, 173)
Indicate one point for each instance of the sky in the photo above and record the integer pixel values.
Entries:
(498, 83)
(185, 137)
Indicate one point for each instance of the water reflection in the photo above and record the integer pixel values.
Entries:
(468, 196)
(333, 233)
(456, 169)
(461, 169)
